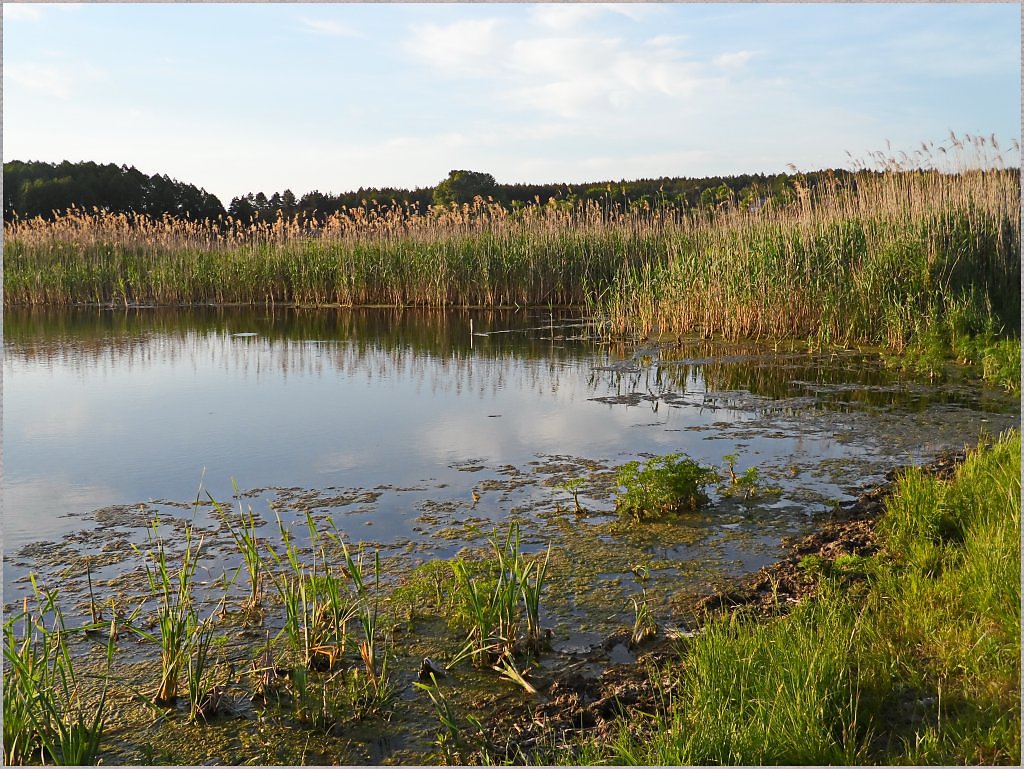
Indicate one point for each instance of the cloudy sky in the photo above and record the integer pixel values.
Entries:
(241, 98)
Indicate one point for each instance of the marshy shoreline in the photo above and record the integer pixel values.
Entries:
(588, 704)
(608, 716)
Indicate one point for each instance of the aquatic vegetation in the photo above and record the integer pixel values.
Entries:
(452, 744)
(367, 609)
(747, 484)
(673, 483)
(203, 699)
(644, 624)
(246, 539)
(48, 714)
(848, 677)
(883, 257)
(177, 616)
(1000, 364)
(573, 487)
(317, 606)
(494, 596)
(532, 577)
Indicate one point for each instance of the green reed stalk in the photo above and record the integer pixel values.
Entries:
(531, 591)
(247, 541)
(367, 610)
(644, 624)
(197, 668)
(45, 712)
(291, 587)
(490, 593)
(176, 612)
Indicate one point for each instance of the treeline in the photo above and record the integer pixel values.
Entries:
(744, 191)
(40, 189)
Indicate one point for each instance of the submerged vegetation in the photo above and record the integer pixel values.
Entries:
(895, 257)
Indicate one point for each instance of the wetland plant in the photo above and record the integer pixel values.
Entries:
(932, 637)
(495, 595)
(573, 487)
(204, 700)
(745, 484)
(248, 545)
(47, 713)
(367, 610)
(450, 741)
(176, 614)
(644, 624)
(316, 606)
(531, 584)
(673, 483)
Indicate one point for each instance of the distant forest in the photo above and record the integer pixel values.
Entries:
(42, 189)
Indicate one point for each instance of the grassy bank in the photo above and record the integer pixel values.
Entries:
(908, 656)
(898, 257)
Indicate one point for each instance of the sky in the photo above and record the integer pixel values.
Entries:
(241, 98)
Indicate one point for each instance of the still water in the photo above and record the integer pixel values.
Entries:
(389, 420)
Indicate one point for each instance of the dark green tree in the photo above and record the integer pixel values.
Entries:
(463, 186)
(40, 189)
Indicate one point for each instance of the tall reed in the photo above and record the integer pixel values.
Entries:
(925, 240)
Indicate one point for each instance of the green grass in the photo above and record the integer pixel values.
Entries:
(918, 662)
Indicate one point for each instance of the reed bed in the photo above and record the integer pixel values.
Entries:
(906, 253)
(471, 255)
(884, 259)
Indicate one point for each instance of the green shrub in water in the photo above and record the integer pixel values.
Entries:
(670, 484)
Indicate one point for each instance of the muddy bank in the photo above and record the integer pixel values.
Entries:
(579, 703)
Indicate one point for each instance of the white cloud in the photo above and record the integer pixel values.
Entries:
(463, 47)
(663, 41)
(328, 27)
(34, 11)
(22, 12)
(48, 80)
(733, 60)
(571, 76)
(552, 64)
(563, 16)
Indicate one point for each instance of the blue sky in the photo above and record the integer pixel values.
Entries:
(241, 98)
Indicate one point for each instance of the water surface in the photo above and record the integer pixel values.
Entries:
(388, 420)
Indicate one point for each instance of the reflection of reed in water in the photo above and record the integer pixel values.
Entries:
(423, 346)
